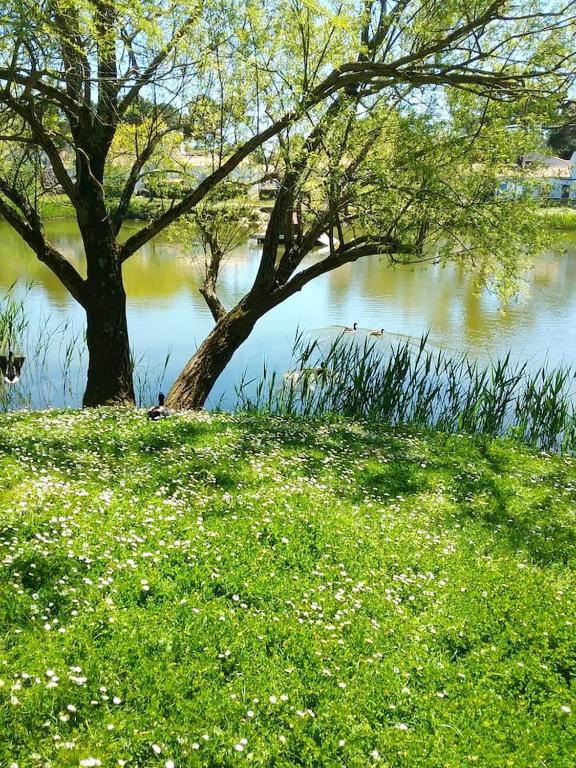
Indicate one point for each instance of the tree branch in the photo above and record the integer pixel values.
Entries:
(184, 206)
(133, 177)
(41, 137)
(108, 85)
(352, 251)
(29, 228)
(33, 82)
(152, 68)
(217, 309)
(77, 73)
(208, 289)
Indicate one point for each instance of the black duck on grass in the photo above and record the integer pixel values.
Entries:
(159, 411)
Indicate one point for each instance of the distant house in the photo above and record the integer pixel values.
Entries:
(543, 176)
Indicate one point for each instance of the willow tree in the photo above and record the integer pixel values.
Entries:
(283, 79)
(73, 73)
(405, 160)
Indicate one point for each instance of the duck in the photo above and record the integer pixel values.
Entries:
(354, 327)
(159, 411)
(377, 333)
(318, 375)
(11, 367)
(321, 370)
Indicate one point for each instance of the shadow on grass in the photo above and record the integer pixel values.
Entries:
(490, 482)
(528, 516)
(400, 478)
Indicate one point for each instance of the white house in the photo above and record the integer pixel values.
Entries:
(544, 176)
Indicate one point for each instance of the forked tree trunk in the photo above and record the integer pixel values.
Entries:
(195, 382)
(109, 364)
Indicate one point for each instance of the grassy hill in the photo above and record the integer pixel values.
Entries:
(228, 590)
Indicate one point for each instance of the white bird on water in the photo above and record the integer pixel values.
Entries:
(311, 375)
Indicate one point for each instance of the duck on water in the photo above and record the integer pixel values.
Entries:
(354, 328)
(312, 375)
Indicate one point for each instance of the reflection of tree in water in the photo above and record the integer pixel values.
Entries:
(549, 290)
(448, 299)
(157, 271)
(160, 270)
(19, 264)
(444, 299)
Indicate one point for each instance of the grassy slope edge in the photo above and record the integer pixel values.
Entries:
(559, 217)
(58, 206)
(213, 590)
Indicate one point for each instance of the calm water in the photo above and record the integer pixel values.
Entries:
(166, 314)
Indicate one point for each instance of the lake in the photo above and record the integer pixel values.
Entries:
(168, 316)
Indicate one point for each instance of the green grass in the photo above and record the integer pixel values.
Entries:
(53, 206)
(559, 217)
(234, 590)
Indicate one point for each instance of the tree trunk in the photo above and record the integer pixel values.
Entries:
(195, 382)
(109, 362)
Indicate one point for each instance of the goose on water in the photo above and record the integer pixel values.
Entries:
(11, 367)
(377, 333)
(354, 327)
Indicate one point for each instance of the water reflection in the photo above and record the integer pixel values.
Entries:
(167, 313)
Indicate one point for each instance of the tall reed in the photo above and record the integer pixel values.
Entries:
(148, 378)
(407, 382)
(13, 327)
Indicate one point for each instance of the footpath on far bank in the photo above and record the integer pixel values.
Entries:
(213, 589)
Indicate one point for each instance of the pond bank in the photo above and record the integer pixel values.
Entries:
(211, 589)
(561, 218)
(167, 315)
(141, 208)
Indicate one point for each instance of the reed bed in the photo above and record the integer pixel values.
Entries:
(404, 382)
(13, 328)
(409, 383)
